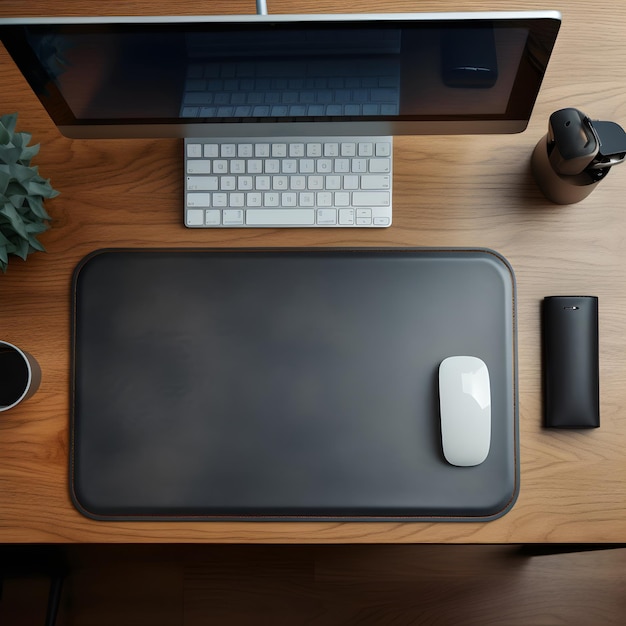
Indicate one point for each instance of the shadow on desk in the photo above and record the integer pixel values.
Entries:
(319, 585)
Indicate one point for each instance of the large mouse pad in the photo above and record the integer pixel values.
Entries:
(286, 384)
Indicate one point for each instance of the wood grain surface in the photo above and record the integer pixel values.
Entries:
(473, 191)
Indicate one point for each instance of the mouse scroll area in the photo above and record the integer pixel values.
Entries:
(465, 409)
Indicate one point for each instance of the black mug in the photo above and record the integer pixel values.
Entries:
(20, 375)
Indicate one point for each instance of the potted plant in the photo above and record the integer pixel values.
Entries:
(22, 194)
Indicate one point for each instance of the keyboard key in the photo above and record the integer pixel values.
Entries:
(370, 198)
(219, 199)
(346, 217)
(245, 183)
(195, 217)
(314, 150)
(199, 167)
(280, 217)
(324, 198)
(289, 166)
(307, 166)
(228, 183)
(333, 182)
(383, 149)
(342, 166)
(236, 199)
(263, 183)
(212, 217)
(254, 166)
(315, 182)
(297, 182)
(358, 166)
(280, 182)
(194, 150)
(351, 182)
(237, 166)
(232, 217)
(306, 198)
(198, 199)
(272, 166)
(254, 199)
(202, 183)
(279, 150)
(348, 149)
(379, 166)
(342, 199)
(220, 167)
(271, 199)
(327, 216)
(289, 199)
(324, 166)
(375, 182)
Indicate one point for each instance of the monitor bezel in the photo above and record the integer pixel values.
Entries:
(543, 28)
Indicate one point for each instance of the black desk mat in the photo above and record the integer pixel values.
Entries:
(286, 384)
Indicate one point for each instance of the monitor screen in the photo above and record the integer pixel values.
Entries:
(285, 74)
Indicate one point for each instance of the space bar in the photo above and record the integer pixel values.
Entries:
(280, 217)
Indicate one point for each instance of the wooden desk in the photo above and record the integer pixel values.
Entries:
(449, 191)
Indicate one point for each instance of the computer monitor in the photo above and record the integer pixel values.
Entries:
(437, 73)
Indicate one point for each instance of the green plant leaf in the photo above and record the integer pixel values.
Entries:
(41, 188)
(17, 199)
(36, 206)
(18, 140)
(35, 244)
(11, 246)
(22, 249)
(34, 228)
(22, 173)
(9, 122)
(28, 152)
(5, 179)
(8, 210)
(3, 240)
(4, 255)
(15, 188)
(10, 154)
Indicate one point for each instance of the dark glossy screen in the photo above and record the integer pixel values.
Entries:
(224, 72)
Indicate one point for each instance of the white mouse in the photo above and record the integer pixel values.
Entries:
(465, 407)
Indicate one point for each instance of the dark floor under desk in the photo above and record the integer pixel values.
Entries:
(191, 585)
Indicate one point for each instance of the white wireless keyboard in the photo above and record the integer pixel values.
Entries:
(288, 182)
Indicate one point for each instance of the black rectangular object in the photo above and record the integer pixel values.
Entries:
(286, 384)
(571, 362)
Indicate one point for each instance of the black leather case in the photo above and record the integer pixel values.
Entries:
(571, 364)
